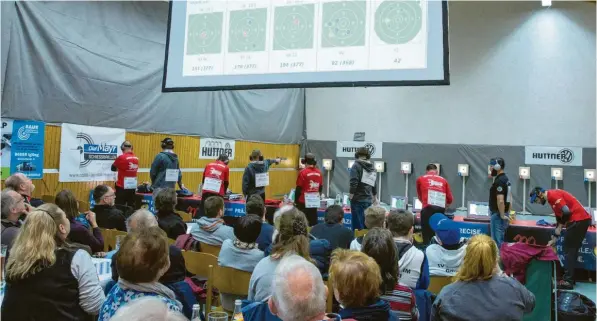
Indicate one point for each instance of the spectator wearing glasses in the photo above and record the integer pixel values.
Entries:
(13, 206)
(107, 215)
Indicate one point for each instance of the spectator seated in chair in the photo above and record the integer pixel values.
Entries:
(174, 277)
(241, 253)
(298, 291)
(414, 269)
(255, 206)
(46, 278)
(13, 206)
(107, 215)
(379, 244)
(375, 216)
(291, 238)
(481, 291)
(147, 309)
(356, 280)
(168, 219)
(333, 229)
(23, 185)
(210, 229)
(446, 250)
(79, 233)
(141, 261)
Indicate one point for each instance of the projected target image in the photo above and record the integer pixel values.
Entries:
(204, 34)
(293, 27)
(247, 30)
(398, 22)
(343, 24)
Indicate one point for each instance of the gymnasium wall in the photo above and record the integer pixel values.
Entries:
(147, 145)
(521, 74)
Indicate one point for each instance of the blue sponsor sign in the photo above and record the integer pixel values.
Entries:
(27, 150)
(100, 152)
(587, 251)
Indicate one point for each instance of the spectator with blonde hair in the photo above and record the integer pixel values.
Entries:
(292, 238)
(141, 261)
(375, 216)
(46, 279)
(357, 281)
(481, 291)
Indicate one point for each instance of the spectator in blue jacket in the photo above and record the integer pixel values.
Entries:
(165, 169)
(414, 268)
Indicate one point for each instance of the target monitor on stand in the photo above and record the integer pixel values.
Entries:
(229, 45)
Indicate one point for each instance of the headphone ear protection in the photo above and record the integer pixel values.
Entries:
(261, 158)
(125, 144)
(167, 142)
(496, 163)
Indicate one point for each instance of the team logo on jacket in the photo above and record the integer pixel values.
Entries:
(313, 185)
(215, 172)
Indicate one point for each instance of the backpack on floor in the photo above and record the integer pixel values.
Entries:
(573, 306)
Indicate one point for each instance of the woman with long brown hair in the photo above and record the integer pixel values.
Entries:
(292, 238)
(79, 233)
(481, 291)
(46, 279)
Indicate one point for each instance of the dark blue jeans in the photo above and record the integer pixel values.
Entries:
(358, 214)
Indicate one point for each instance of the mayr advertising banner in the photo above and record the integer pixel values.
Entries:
(87, 152)
(27, 148)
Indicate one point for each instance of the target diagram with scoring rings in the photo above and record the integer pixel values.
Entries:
(343, 24)
(204, 34)
(293, 27)
(398, 22)
(247, 30)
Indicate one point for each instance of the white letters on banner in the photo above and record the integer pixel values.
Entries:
(87, 153)
(347, 149)
(563, 156)
(211, 148)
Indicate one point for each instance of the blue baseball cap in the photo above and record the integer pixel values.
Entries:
(445, 229)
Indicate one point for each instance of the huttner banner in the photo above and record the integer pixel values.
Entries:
(561, 156)
(87, 153)
(347, 148)
(211, 148)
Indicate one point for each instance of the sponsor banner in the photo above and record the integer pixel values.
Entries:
(347, 149)
(27, 148)
(87, 152)
(6, 132)
(211, 148)
(558, 156)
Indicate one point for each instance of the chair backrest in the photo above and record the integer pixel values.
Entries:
(436, 283)
(211, 249)
(198, 263)
(358, 233)
(171, 241)
(329, 303)
(115, 233)
(186, 217)
(231, 281)
(48, 198)
(108, 238)
(83, 206)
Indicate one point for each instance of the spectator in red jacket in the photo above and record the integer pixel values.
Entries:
(126, 165)
(570, 213)
(435, 194)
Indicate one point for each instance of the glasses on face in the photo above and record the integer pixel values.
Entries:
(109, 196)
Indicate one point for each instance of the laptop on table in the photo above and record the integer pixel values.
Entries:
(478, 212)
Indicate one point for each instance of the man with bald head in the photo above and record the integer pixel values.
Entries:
(298, 291)
(23, 185)
(13, 206)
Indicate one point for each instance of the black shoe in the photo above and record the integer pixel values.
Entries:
(565, 285)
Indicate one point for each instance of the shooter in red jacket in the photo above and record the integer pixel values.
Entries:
(435, 194)
(571, 214)
(127, 165)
